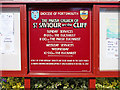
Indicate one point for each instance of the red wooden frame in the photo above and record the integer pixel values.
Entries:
(94, 48)
(23, 40)
(99, 73)
(27, 84)
(92, 82)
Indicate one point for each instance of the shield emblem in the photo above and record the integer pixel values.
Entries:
(35, 14)
(84, 14)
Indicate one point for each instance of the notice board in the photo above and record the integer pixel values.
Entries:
(109, 39)
(60, 39)
(10, 46)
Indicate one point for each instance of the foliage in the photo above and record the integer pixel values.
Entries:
(59, 83)
(11, 82)
(108, 83)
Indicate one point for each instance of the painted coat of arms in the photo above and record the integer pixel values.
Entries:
(35, 14)
(84, 14)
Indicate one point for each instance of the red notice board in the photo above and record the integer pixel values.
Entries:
(109, 72)
(19, 24)
(60, 40)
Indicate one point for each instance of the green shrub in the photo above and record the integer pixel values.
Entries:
(108, 83)
(11, 82)
(59, 83)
